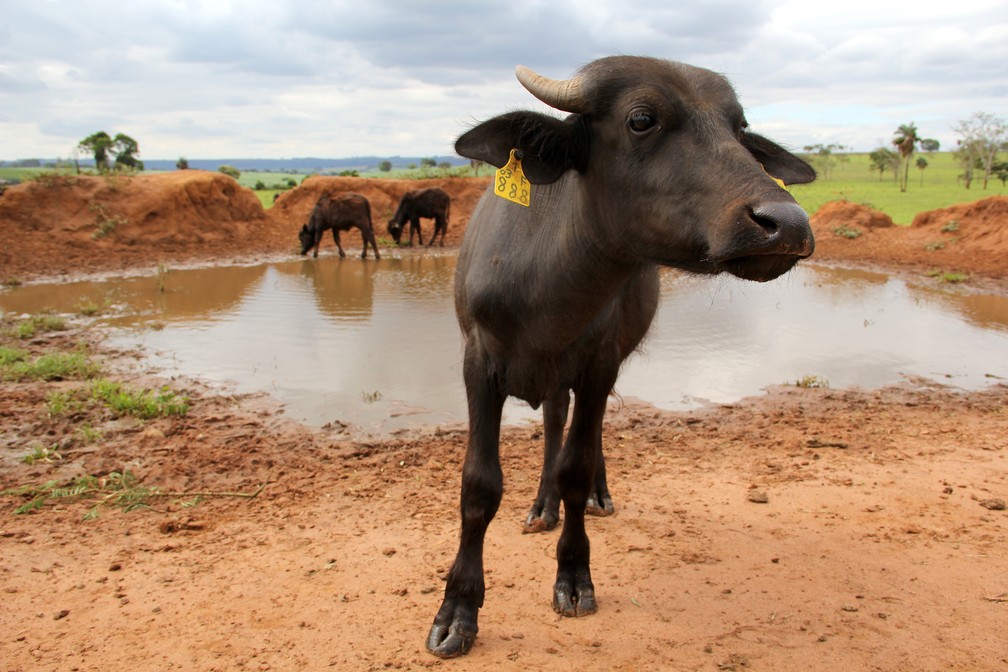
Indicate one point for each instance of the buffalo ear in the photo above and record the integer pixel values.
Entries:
(549, 146)
(777, 161)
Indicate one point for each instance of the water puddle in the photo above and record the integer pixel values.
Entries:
(376, 345)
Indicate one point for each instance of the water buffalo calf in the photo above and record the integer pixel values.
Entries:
(340, 213)
(655, 166)
(431, 203)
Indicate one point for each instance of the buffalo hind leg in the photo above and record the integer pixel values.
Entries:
(545, 512)
(573, 591)
(368, 237)
(455, 625)
(440, 226)
(599, 501)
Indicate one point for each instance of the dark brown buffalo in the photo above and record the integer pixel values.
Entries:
(655, 166)
(340, 213)
(431, 203)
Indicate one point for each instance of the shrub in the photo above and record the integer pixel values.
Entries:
(845, 231)
(230, 171)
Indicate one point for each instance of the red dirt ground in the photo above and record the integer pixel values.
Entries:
(880, 544)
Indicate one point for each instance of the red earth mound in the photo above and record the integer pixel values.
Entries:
(971, 238)
(73, 224)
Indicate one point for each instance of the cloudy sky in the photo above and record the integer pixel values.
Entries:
(336, 78)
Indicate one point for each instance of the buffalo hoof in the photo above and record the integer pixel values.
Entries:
(541, 518)
(574, 595)
(600, 506)
(453, 632)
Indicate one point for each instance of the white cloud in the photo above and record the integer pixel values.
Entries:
(337, 78)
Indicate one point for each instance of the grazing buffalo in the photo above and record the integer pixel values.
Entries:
(339, 213)
(431, 203)
(655, 166)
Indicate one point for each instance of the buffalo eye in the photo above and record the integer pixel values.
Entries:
(641, 121)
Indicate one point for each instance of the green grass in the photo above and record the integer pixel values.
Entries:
(143, 404)
(42, 454)
(853, 180)
(845, 231)
(16, 365)
(118, 398)
(22, 174)
(10, 356)
(118, 489)
(37, 324)
(948, 276)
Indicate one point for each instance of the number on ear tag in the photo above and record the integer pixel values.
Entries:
(511, 183)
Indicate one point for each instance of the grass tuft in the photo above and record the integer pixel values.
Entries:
(50, 366)
(810, 382)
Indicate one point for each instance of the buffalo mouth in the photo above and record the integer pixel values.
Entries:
(761, 267)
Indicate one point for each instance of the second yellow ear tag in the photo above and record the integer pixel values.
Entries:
(780, 182)
(511, 182)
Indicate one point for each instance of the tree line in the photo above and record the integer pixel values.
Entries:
(980, 139)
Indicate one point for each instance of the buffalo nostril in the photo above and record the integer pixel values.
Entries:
(768, 224)
(786, 226)
(783, 216)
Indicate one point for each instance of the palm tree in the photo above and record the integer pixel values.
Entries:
(905, 141)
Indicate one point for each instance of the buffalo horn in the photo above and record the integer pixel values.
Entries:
(567, 95)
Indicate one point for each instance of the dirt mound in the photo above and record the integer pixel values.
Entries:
(838, 213)
(69, 224)
(83, 225)
(971, 238)
(293, 208)
(981, 225)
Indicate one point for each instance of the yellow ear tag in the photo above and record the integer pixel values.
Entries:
(780, 183)
(511, 182)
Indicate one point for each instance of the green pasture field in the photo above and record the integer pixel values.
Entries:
(852, 179)
(20, 174)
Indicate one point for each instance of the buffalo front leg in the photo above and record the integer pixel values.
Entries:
(455, 625)
(573, 591)
(545, 512)
(335, 235)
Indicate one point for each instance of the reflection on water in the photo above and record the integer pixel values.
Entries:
(375, 343)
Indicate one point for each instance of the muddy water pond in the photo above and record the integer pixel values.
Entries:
(375, 345)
